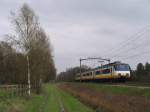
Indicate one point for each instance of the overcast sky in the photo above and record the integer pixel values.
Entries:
(89, 28)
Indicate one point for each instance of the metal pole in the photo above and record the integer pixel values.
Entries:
(29, 82)
(80, 70)
(109, 61)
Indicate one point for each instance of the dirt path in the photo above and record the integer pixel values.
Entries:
(60, 101)
(62, 109)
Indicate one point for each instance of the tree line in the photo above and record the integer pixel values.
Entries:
(27, 50)
(70, 73)
(140, 74)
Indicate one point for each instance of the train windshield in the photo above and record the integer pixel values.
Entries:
(122, 67)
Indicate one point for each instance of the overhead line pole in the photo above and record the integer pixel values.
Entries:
(80, 69)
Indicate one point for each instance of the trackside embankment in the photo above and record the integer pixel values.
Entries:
(110, 99)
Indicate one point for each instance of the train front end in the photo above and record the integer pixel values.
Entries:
(121, 71)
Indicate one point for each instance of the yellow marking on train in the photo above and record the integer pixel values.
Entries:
(87, 77)
(102, 76)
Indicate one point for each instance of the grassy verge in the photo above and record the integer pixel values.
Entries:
(49, 101)
(10, 102)
(57, 97)
(71, 104)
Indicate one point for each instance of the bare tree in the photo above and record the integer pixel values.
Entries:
(31, 40)
(26, 26)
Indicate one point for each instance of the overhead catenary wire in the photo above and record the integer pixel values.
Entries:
(129, 40)
(136, 55)
(132, 48)
(125, 45)
(121, 49)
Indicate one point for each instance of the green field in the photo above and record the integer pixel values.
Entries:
(51, 100)
(118, 89)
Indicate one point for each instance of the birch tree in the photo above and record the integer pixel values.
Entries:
(26, 26)
(31, 40)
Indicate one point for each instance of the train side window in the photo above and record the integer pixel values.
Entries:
(106, 71)
(90, 73)
(97, 72)
(111, 70)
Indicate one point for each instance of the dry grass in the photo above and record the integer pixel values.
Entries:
(108, 102)
(15, 108)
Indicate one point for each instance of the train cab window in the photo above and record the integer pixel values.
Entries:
(122, 67)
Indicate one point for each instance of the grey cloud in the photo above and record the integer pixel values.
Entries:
(82, 28)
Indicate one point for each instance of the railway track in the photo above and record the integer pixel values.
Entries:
(136, 83)
(131, 84)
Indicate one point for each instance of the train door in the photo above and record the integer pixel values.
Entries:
(112, 71)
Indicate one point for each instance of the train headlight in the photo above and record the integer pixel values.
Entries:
(119, 74)
(127, 75)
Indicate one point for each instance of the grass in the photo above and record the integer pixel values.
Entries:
(57, 97)
(34, 104)
(109, 98)
(9, 102)
(51, 104)
(71, 104)
(49, 101)
(119, 90)
(53, 98)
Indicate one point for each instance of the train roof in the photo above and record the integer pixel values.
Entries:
(105, 66)
(111, 64)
